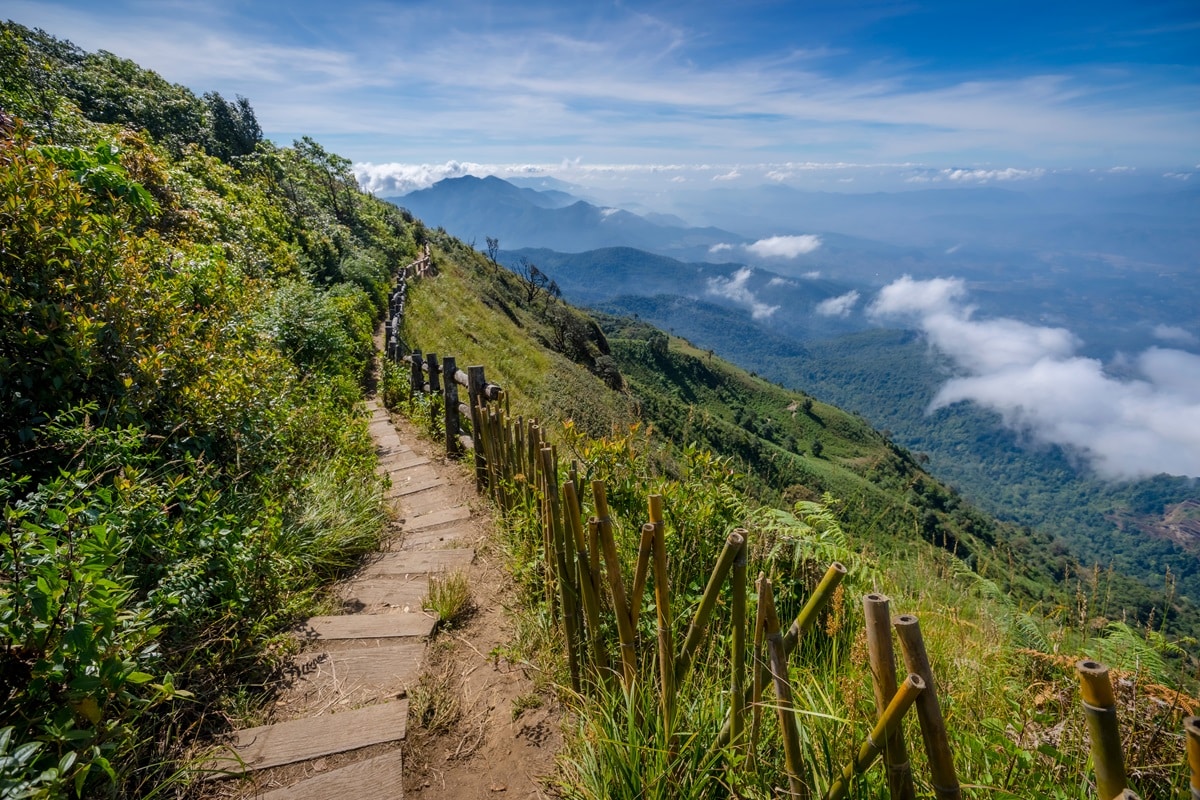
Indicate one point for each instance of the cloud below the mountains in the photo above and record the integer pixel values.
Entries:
(839, 306)
(1033, 377)
(735, 288)
(784, 246)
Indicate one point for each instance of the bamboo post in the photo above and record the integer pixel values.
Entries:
(566, 587)
(708, 601)
(797, 781)
(883, 679)
(759, 675)
(475, 399)
(737, 700)
(816, 603)
(640, 572)
(591, 603)
(625, 629)
(1100, 712)
(800, 626)
(929, 710)
(1191, 727)
(662, 604)
(416, 381)
(887, 724)
(450, 405)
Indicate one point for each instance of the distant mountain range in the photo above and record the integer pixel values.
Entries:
(476, 208)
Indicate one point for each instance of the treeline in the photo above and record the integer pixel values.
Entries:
(186, 314)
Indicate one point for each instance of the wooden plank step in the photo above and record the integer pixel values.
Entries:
(302, 739)
(379, 778)
(355, 675)
(445, 516)
(392, 592)
(426, 502)
(403, 487)
(395, 460)
(420, 563)
(367, 626)
(439, 539)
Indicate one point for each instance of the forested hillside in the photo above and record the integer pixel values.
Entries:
(186, 314)
(648, 413)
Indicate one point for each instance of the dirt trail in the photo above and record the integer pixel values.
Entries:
(475, 726)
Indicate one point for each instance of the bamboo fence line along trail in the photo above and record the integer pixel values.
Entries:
(583, 584)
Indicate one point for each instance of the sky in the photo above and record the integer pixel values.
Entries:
(684, 91)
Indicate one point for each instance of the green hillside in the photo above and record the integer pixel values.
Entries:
(185, 335)
(1008, 606)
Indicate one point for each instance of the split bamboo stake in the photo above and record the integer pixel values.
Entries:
(1100, 712)
(591, 603)
(797, 781)
(640, 572)
(1191, 726)
(625, 630)
(800, 626)
(929, 710)
(708, 601)
(888, 722)
(737, 700)
(566, 587)
(662, 603)
(759, 675)
(883, 679)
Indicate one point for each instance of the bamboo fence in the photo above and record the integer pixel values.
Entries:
(582, 573)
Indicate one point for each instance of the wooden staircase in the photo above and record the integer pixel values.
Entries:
(348, 687)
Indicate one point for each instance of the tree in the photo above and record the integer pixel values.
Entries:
(493, 249)
(535, 281)
(817, 448)
(235, 129)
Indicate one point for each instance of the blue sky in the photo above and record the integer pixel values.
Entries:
(417, 90)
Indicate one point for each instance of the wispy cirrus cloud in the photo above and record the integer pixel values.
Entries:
(1035, 379)
(386, 83)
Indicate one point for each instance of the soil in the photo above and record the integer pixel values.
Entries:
(490, 750)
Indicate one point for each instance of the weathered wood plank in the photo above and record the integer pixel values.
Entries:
(401, 458)
(379, 778)
(441, 538)
(420, 563)
(430, 500)
(394, 592)
(357, 675)
(302, 739)
(367, 626)
(434, 519)
(404, 487)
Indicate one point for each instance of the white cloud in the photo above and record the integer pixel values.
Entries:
(812, 275)
(1175, 335)
(734, 288)
(784, 246)
(985, 175)
(778, 281)
(732, 175)
(1034, 379)
(720, 247)
(839, 306)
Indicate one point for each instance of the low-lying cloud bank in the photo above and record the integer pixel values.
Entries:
(736, 289)
(775, 246)
(1033, 377)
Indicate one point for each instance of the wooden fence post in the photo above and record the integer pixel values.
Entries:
(416, 381)
(476, 397)
(431, 365)
(1100, 712)
(883, 678)
(450, 403)
(929, 711)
